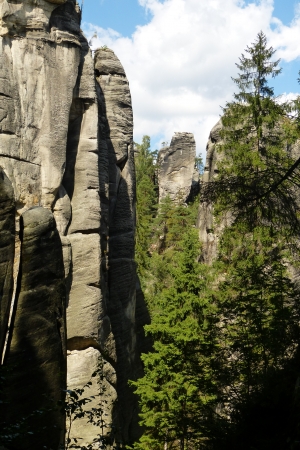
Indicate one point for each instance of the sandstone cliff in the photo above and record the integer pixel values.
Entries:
(177, 176)
(66, 153)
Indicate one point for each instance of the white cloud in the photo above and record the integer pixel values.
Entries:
(286, 97)
(285, 39)
(180, 64)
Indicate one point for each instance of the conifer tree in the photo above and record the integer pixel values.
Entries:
(258, 176)
(146, 193)
(258, 327)
(177, 389)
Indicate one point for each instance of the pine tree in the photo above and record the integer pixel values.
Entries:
(225, 361)
(259, 312)
(177, 389)
(256, 178)
(169, 225)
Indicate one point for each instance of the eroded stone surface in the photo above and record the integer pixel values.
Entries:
(102, 393)
(35, 72)
(176, 168)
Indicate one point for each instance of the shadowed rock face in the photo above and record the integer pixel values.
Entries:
(7, 249)
(66, 147)
(176, 174)
(37, 353)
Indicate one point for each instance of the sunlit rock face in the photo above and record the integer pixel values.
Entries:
(37, 77)
(66, 150)
(21, 16)
(177, 177)
(209, 231)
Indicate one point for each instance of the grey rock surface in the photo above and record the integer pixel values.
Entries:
(176, 164)
(37, 351)
(101, 391)
(85, 239)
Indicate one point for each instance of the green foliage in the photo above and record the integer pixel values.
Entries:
(177, 388)
(172, 220)
(257, 303)
(254, 179)
(168, 227)
(146, 192)
(258, 326)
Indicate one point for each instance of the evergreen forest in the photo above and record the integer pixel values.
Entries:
(224, 369)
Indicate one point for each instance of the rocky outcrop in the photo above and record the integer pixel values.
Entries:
(177, 177)
(209, 230)
(66, 147)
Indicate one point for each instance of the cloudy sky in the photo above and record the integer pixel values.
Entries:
(180, 55)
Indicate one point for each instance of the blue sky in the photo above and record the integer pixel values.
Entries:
(179, 55)
(120, 15)
(124, 15)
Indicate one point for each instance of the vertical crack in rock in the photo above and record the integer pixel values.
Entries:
(7, 252)
(16, 269)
